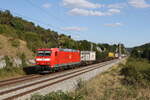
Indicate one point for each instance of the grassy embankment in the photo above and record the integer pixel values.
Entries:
(7, 73)
(128, 81)
(11, 48)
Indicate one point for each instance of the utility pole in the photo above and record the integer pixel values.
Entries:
(120, 53)
(91, 47)
(58, 42)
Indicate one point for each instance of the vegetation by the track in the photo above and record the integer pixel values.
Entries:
(10, 72)
(127, 81)
(136, 72)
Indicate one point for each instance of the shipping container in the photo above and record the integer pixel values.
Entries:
(111, 54)
(88, 55)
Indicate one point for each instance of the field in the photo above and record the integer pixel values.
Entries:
(127, 81)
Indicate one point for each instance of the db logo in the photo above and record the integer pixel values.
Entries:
(70, 57)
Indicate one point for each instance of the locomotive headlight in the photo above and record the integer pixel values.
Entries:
(46, 59)
(38, 59)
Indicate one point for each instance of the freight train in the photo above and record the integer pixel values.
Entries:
(49, 59)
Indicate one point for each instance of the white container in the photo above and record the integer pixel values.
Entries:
(88, 55)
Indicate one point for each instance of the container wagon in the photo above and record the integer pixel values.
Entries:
(88, 57)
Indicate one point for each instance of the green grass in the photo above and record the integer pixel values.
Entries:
(11, 72)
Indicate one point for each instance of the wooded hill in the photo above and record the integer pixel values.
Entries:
(142, 51)
(38, 37)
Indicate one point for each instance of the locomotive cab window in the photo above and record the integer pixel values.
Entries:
(44, 53)
(47, 53)
(56, 53)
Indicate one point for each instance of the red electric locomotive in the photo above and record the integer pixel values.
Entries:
(55, 58)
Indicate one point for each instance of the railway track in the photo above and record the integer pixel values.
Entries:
(18, 91)
(13, 81)
(16, 80)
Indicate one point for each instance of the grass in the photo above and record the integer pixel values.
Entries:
(110, 85)
(6, 73)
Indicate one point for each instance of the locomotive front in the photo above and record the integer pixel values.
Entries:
(43, 57)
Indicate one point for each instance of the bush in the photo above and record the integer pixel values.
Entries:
(136, 72)
(10, 72)
(59, 95)
(15, 43)
(8, 31)
(22, 56)
(8, 62)
(1, 46)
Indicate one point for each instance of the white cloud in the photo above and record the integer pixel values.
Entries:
(139, 3)
(113, 11)
(80, 4)
(46, 5)
(74, 28)
(117, 5)
(114, 24)
(84, 12)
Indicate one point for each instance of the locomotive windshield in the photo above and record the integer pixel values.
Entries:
(44, 53)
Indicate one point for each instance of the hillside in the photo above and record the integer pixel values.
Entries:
(38, 37)
(14, 47)
(142, 51)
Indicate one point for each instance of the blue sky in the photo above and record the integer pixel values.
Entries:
(100, 21)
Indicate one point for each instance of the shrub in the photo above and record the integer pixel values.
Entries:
(15, 43)
(59, 95)
(10, 72)
(1, 46)
(23, 60)
(8, 62)
(136, 71)
(8, 31)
